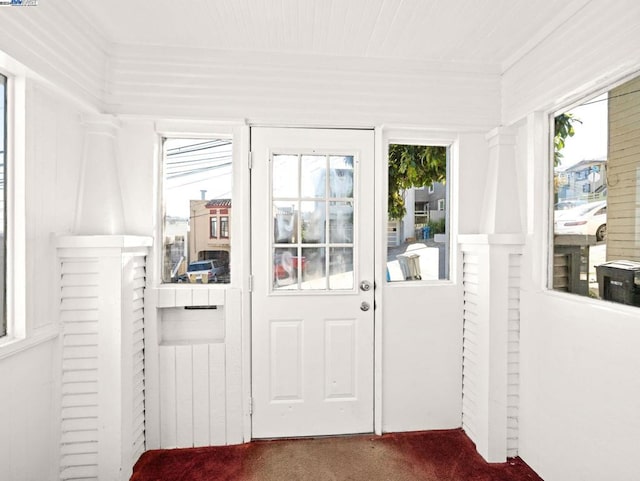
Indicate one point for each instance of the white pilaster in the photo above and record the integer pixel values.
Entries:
(100, 209)
(500, 210)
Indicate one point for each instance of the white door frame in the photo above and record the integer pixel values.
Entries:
(380, 212)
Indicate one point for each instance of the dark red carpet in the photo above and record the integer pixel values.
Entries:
(425, 456)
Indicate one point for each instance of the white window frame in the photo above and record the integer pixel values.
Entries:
(20, 334)
(431, 189)
(240, 241)
(441, 204)
(546, 279)
(416, 137)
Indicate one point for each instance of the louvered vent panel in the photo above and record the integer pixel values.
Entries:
(469, 351)
(513, 355)
(137, 339)
(79, 323)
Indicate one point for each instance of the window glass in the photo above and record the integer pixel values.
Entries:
(596, 197)
(3, 205)
(313, 221)
(417, 229)
(197, 184)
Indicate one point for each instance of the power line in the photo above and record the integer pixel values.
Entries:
(610, 97)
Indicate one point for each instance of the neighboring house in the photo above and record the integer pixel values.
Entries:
(430, 202)
(623, 170)
(175, 245)
(209, 230)
(585, 180)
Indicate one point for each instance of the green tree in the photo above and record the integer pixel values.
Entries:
(564, 127)
(413, 166)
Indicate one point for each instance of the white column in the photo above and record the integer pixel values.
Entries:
(101, 298)
(491, 262)
(501, 207)
(100, 209)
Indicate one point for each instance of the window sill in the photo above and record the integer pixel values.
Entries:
(11, 346)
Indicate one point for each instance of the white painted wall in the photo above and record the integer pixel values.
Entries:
(28, 417)
(422, 321)
(579, 416)
(29, 380)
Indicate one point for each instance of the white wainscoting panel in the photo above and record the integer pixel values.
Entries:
(470, 344)
(192, 395)
(491, 344)
(513, 356)
(192, 359)
(102, 288)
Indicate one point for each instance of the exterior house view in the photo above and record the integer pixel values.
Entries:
(198, 248)
(209, 229)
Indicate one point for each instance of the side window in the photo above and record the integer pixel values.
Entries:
(214, 228)
(596, 206)
(196, 190)
(417, 229)
(3, 204)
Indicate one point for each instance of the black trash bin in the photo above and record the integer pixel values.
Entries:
(619, 281)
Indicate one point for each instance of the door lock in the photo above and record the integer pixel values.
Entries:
(365, 286)
(365, 306)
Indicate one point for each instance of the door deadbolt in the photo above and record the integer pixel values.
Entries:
(365, 286)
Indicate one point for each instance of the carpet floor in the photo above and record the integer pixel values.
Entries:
(424, 456)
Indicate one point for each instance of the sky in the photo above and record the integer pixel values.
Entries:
(186, 174)
(590, 139)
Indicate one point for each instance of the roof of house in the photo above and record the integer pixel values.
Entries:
(218, 203)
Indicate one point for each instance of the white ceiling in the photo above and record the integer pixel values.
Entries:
(490, 32)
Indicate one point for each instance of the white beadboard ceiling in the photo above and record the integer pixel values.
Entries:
(488, 32)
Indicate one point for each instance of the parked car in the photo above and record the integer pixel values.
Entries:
(204, 271)
(589, 219)
(569, 204)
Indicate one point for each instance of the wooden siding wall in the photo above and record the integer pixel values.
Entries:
(623, 173)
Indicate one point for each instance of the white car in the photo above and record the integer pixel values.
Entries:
(588, 219)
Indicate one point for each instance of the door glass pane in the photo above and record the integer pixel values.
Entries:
(341, 222)
(285, 268)
(313, 175)
(313, 221)
(310, 222)
(285, 176)
(285, 222)
(313, 268)
(341, 176)
(340, 268)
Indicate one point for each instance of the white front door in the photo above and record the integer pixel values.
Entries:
(312, 214)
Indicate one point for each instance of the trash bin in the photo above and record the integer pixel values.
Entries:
(619, 281)
(410, 266)
(426, 232)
